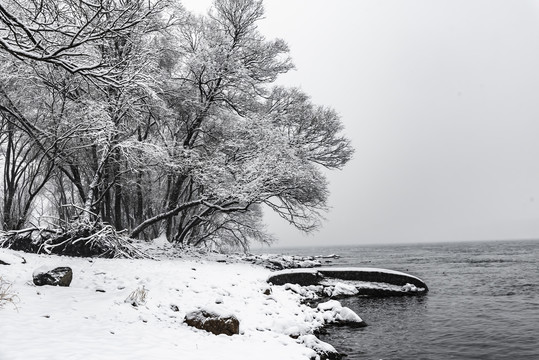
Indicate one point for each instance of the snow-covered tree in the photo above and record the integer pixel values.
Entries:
(151, 125)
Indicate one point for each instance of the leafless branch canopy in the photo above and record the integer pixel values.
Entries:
(66, 33)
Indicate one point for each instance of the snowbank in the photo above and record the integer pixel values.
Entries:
(92, 320)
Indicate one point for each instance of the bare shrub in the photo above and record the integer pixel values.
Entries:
(137, 297)
(6, 293)
(73, 239)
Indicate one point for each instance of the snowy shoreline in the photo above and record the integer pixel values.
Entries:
(91, 319)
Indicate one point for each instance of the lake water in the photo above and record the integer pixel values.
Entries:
(483, 302)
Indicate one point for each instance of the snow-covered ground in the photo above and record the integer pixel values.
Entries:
(91, 319)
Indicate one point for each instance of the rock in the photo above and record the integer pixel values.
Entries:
(267, 291)
(336, 314)
(347, 317)
(59, 276)
(331, 355)
(324, 351)
(213, 322)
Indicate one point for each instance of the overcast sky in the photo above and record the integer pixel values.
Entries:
(441, 101)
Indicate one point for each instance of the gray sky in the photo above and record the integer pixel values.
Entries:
(441, 101)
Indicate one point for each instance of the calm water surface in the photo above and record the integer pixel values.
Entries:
(483, 302)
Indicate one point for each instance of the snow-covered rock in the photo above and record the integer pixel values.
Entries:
(334, 313)
(322, 349)
(54, 276)
(329, 305)
(307, 292)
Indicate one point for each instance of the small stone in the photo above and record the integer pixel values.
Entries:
(267, 291)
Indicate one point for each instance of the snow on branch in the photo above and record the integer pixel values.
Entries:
(68, 33)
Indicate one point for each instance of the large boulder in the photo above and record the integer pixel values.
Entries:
(213, 322)
(55, 276)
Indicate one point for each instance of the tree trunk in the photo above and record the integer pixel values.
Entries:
(165, 215)
(89, 211)
(117, 192)
(9, 191)
(118, 206)
(139, 213)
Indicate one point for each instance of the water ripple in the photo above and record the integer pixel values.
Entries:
(483, 303)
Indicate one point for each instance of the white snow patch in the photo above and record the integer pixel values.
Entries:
(73, 322)
(161, 241)
(9, 257)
